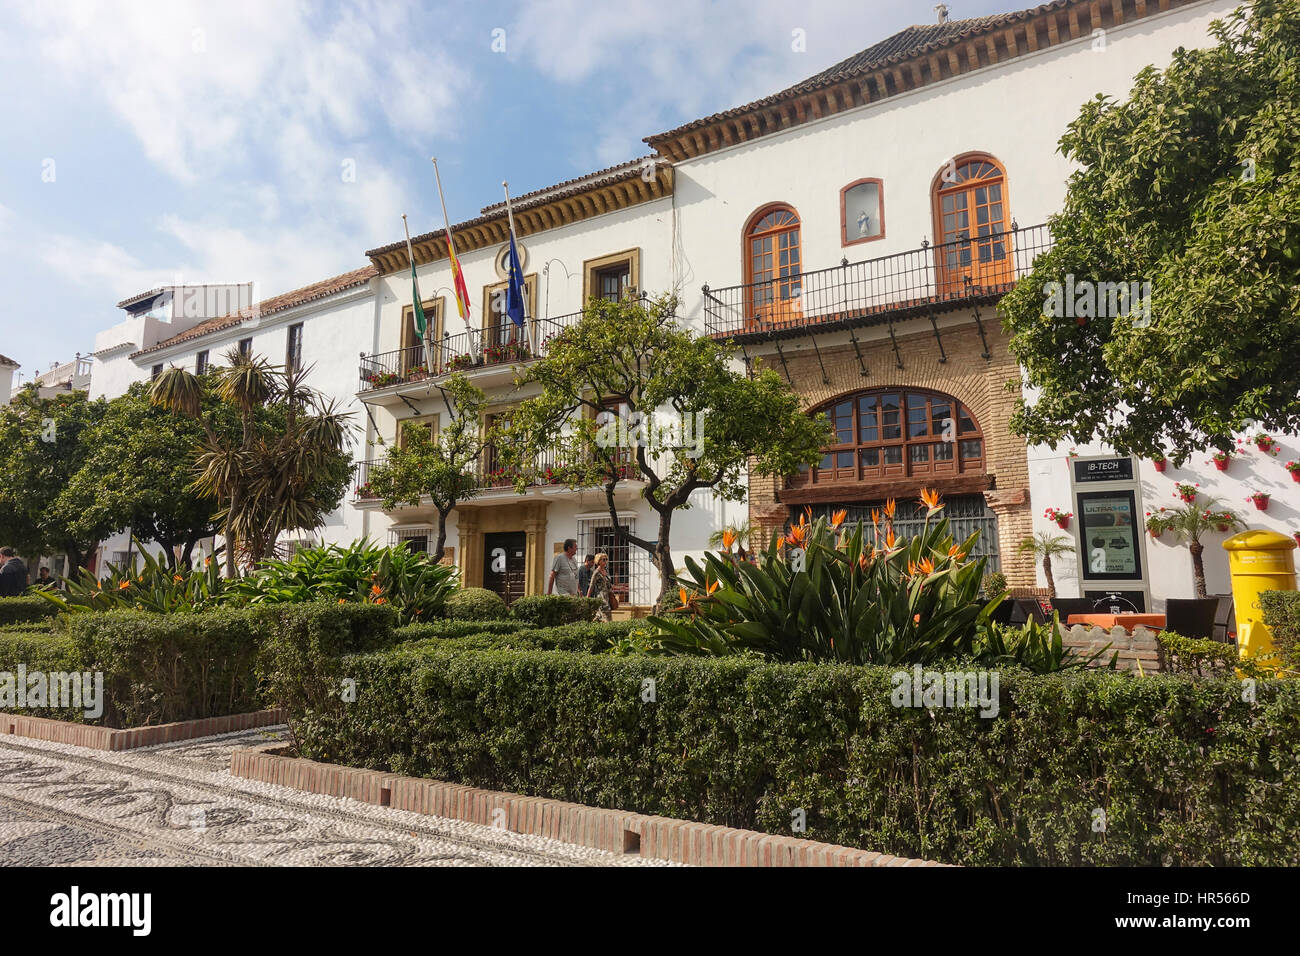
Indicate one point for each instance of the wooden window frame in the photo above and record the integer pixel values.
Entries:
(777, 311)
(906, 469)
(593, 267)
(433, 314)
(292, 360)
(845, 241)
(201, 362)
(952, 280)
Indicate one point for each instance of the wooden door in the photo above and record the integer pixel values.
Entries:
(505, 563)
(974, 241)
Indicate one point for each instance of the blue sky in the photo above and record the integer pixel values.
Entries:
(152, 142)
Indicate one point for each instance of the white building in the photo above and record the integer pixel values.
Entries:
(855, 232)
(317, 326)
(8, 368)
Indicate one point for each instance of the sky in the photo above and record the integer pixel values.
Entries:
(150, 143)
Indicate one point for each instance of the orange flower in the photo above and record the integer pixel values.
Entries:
(376, 589)
(797, 534)
(681, 596)
(178, 577)
(342, 601)
(124, 585)
(930, 498)
(862, 562)
(926, 565)
(710, 588)
(916, 619)
(875, 516)
(890, 507)
(911, 569)
(381, 600)
(728, 539)
(956, 552)
(807, 514)
(889, 538)
(838, 517)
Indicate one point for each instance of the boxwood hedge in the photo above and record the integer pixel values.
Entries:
(1282, 615)
(1086, 767)
(26, 609)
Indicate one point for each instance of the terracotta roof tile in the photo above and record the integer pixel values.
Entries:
(912, 42)
(8, 362)
(286, 300)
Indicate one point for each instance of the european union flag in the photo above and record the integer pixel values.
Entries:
(515, 287)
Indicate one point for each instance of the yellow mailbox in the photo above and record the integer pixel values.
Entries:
(1259, 561)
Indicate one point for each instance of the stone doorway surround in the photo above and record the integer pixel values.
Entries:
(474, 520)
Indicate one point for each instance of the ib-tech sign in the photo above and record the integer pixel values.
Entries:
(1103, 469)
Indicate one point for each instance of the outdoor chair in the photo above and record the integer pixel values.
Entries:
(1191, 617)
(1224, 615)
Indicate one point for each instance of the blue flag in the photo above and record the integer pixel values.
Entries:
(515, 287)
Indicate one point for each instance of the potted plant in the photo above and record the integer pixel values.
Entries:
(417, 374)
(1159, 461)
(1259, 499)
(1222, 520)
(1185, 492)
(1158, 522)
(1190, 523)
(1062, 518)
(1293, 468)
(1266, 443)
(1222, 459)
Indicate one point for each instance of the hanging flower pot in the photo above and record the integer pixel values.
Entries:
(1266, 443)
(1185, 492)
(1293, 469)
(1062, 518)
(1260, 500)
(1221, 459)
(1160, 464)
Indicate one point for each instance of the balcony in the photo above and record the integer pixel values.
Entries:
(502, 346)
(547, 476)
(920, 281)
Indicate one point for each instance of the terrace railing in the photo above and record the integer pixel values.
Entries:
(498, 344)
(858, 293)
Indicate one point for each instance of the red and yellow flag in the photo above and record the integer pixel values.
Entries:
(458, 281)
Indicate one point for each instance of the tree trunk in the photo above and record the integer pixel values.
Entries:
(1198, 567)
(442, 534)
(664, 561)
(1047, 572)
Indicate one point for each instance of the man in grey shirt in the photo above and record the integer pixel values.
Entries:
(564, 570)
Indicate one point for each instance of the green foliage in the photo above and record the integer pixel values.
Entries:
(411, 582)
(440, 468)
(547, 610)
(44, 446)
(23, 610)
(588, 637)
(476, 604)
(138, 472)
(1282, 615)
(155, 587)
(995, 582)
(860, 597)
(1179, 767)
(286, 468)
(1202, 656)
(635, 353)
(1035, 647)
(1193, 185)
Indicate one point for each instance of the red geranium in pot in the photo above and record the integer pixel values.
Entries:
(1259, 499)
(1062, 518)
(1221, 459)
(1159, 461)
(1185, 492)
(1293, 468)
(1266, 443)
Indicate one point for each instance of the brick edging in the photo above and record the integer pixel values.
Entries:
(614, 831)
(109, 738)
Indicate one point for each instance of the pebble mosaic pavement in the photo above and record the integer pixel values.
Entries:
(177, 804)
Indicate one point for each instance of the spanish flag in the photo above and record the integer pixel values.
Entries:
(458, 280)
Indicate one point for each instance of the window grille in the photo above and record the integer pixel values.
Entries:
(966, 514)
(629, 566)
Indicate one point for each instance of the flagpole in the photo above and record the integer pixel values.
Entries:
(523, 285)
(410, 255)
(451, 244)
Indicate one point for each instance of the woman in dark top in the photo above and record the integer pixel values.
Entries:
(600, 586)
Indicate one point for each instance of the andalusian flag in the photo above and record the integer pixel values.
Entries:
(416, 307)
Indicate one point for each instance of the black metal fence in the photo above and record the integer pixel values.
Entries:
(497, 344)
(913, 281)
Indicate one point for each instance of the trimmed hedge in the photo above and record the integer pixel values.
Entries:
(1184, 771)
(160, 668)
(477, 604)
(550, 610)
(25, 610)
(589, 637)
(1282, 615)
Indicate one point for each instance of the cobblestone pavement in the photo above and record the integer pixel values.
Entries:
(178, 804)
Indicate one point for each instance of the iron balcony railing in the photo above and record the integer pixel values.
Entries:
(499, 344)
(860, 293)
(547, 469)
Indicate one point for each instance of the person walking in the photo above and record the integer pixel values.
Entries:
(564, 570)
(13, 573)
(601, 587)
(584, 573)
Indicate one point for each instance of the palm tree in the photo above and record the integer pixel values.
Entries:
(1193, 520)
(1048, 546)
(291, 451)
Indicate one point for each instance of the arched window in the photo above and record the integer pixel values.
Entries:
(971, 228)
(897, 433)
(773, 263)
